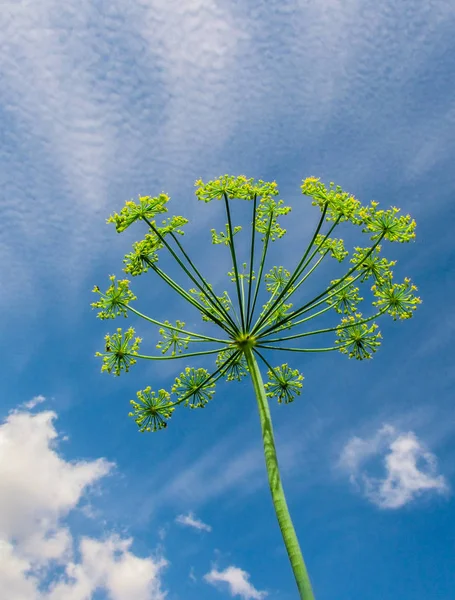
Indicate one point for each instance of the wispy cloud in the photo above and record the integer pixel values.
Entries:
(39, 489)
(34, 402)
(191, 521)
(409, 469)
(237, 581)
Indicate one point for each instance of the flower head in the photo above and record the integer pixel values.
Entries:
(194, 388)
(333, 245)
(152, 412)
(172, 340)
(385, 223)
(237, 368)
(120, 351)
(224, 238)
(234, 187)
(266, 217)
(284, 383)
(341, 205)
(344, 300)
(115, 300)
(373, 265)
(397, 298)
(357, 340)
(276, 279)
(147, 208)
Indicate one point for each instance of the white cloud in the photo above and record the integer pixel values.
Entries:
(34, 401)
(191, 521)
(410, 469)
(237, 581)
(39, 489)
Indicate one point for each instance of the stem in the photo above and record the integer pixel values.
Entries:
(163, 240)
(279, 501)
(234, 260)
(261, 267)
(179, 355)
(204, 338)
(250, 280)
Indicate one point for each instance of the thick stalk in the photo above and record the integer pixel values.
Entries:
(279, 501)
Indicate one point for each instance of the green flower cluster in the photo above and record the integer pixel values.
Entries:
(235, 188)
(120, 351)
(172, 339)
(147, 208)
(284, 383)
(115, 300)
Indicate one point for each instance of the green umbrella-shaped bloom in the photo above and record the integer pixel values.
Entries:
(276, 279)
(358, 340)
(172, 339)
(237, 369)
(151, 412)
(120, 351)
(234, 187)
(397, 298)
(385, 223)
(345, 297)
(285, 383)
(373, 265)
(192, 385)
(146, 209)
(115, 300)
(224, 238)
(341, 206)
(335, 246)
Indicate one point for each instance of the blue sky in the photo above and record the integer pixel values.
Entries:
(102, 101)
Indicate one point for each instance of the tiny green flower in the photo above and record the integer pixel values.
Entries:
(373, 265)
(344, 300)
(144, 254)
(147, 208)
(224, 238)
(242, 276)
(358, 341)
(172, 340)
(152, 412)
(193, 388)
(120, 351)
(270, 208)
(276, 279)
(234, 187)
(237, 369)
(341, 206)
(397, 298)
(285, 383)
(386, 223)
(115, 300)
(335, 246)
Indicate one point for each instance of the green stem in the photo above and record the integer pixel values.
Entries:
(179, 355)
(279, 500)
(250, 280)
(173, 253)
(312, 304)
(337, 328)
(261, 267)
(204, 338)
(234, 260)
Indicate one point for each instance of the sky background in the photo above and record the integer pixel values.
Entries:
(102, 101)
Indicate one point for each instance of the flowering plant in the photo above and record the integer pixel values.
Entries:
(246, 333)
